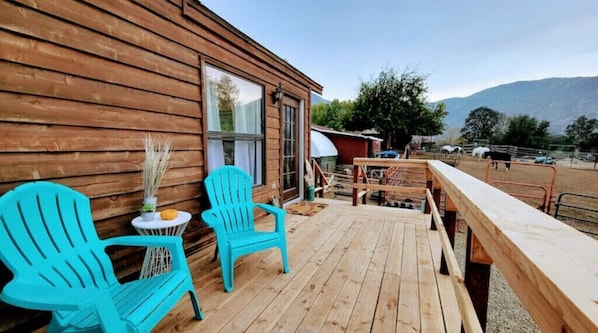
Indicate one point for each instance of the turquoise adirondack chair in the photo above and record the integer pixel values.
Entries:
(232, 218)
(59, 264)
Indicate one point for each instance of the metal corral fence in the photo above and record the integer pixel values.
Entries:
(576, 160)
(578, 211)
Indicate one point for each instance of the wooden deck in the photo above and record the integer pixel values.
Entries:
(353, 269)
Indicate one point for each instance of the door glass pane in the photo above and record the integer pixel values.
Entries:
(289, 158)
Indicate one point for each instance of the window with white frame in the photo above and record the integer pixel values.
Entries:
(235, 111)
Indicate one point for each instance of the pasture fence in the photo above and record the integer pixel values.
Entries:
(577, 210)
(575, 159)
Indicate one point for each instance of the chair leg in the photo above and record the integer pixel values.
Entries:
(195, 302)
(215, 254)
(227, 267)
(285, 261)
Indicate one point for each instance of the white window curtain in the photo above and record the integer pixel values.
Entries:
(248, 153)
(215, 147)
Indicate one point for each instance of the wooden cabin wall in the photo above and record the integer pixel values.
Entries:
(83, 82)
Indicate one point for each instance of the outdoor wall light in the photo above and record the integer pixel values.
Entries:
(276, 95)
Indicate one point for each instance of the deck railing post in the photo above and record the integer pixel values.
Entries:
(477, 276)
(355, 180)
(382, 194)
(450, 223)
(364, 180)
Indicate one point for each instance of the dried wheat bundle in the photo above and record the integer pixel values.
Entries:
(155, 165)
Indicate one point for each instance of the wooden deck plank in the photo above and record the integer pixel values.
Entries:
(286, 289)
(408, 319)
(386, 310)
(341, 311)
(431, 312)
(329, 294)
(267, 318)
(219, 315)
(365, 305)
(353, 269)
(301, 306)
(297, 257)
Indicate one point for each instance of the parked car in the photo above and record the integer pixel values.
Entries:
(389, 154)
(544, 160)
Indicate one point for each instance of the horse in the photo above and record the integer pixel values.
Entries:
(449, 150)
(479, 152)
(496, 156)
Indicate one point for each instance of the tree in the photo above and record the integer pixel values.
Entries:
(331, 115)
(396, 107)
(580, 131)
(228, 95)
(526, 131)
(480, 124)
(500, 128)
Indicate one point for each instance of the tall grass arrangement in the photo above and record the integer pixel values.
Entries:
(157, 155)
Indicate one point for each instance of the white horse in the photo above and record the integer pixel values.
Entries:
(479, 152)
(449, 150)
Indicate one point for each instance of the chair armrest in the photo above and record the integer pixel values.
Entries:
(278, 213)
(173, 243)
(48, 298)
(270, 209)
(212, 220)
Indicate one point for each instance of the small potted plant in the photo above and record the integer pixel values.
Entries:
(148, 210)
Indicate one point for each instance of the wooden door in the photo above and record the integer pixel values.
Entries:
(290, 149)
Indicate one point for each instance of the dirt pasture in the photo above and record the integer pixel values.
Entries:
(532, 183)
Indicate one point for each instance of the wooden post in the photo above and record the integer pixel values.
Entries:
(477, 276)
(450, 222)
(364, 199)
(382, 194)
(355, 179)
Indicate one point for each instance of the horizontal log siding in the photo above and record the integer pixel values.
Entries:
(82, 83)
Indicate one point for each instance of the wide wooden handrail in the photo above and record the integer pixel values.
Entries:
(551, 267)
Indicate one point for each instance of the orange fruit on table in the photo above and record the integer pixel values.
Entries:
(169, 214)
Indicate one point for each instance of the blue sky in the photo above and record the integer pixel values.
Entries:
(463, 46)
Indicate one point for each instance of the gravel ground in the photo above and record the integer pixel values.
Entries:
(505, 311)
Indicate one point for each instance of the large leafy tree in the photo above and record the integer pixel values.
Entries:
(580, 131)
(331, 115)
(395, 105)
(526, 131)
(480, 124)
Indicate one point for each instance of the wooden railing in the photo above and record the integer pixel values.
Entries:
(551, 267)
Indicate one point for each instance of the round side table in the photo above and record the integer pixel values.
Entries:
(157, 260)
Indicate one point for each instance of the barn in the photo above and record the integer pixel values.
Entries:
(83, 82)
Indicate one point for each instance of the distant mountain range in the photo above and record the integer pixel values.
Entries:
(557, 100)
(317, 99)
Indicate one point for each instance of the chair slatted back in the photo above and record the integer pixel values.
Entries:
(229, 191)
(47, 232)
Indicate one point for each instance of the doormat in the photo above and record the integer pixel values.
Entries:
(306, 208)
